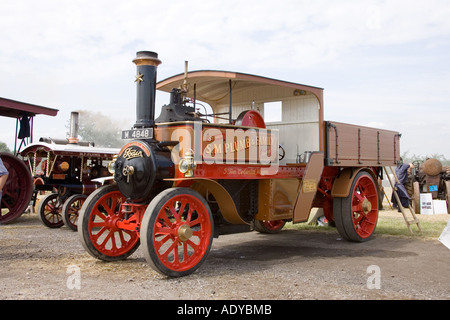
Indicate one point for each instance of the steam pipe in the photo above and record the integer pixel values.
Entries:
(73, 134)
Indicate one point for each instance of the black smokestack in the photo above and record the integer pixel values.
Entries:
(147, 63)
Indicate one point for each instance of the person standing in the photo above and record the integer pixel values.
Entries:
(402, 174)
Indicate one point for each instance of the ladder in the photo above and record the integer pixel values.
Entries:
(414, 220)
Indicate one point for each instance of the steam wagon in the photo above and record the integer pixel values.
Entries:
(190, 175)
(18, 188)
(70, 169)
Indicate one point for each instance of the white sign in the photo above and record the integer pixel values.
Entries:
(440, 206)
(426, 203)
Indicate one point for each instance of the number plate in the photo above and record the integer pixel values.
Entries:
(146, 133)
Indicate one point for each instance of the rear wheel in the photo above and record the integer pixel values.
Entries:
(356, 215)
(18, 189)
(177, 232)
(49, 209)
(97, 226)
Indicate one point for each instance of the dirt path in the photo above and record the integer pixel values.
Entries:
(41, 263)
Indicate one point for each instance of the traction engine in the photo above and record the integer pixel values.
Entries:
(183, 180)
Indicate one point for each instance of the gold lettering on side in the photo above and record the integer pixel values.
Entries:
(309, 185)
(237, 145)
(130, 153)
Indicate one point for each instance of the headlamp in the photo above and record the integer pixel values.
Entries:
(187, 164)
(112, 165)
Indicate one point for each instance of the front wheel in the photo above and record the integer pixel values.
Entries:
(49, 210)
(71, 209)
(356, 215)
(177, 232)
(97, 226)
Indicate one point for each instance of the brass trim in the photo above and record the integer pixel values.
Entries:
(147, 62)
(185, 232)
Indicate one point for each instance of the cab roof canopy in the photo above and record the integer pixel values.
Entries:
(213, 87)
(300, 107)
(41, 148)
(16, 109)
(24, 114)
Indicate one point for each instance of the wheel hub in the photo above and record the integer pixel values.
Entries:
(366, 206)
(184, 232)
(111, 222)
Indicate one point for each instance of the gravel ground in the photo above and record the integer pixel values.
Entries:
(50, 264)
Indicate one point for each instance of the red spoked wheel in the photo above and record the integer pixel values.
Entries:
(177, 232)
(18, 189)
(98, 229)
(71, 210)
(356, 216)
(49, 209)
(274, 226)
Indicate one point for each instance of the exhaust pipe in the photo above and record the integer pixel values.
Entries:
(147, 63)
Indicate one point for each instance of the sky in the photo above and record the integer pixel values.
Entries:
(383, 64)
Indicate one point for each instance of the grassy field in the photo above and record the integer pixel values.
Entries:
(391, 222)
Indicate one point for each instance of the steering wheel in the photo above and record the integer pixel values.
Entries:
(281, 153)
